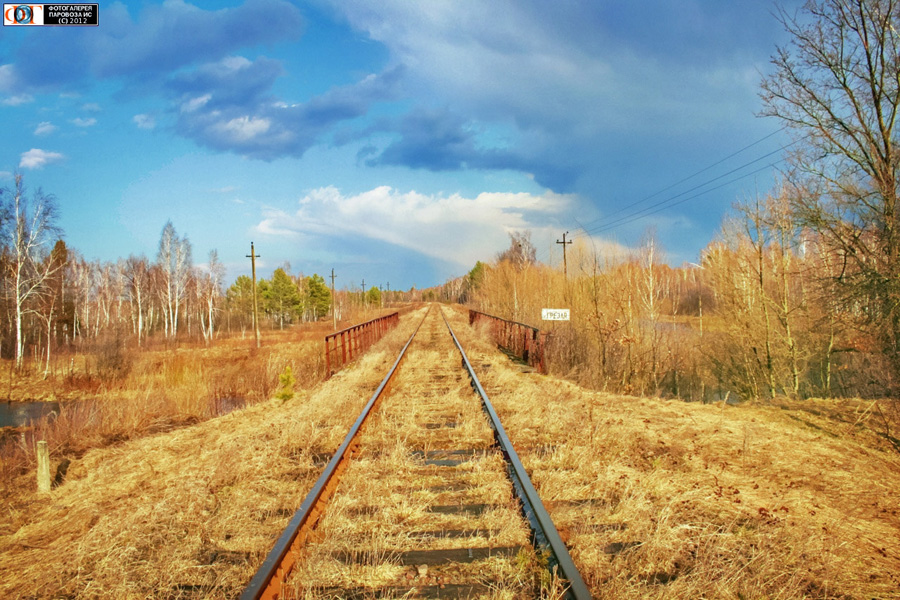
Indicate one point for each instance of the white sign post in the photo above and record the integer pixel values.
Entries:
(555, 314)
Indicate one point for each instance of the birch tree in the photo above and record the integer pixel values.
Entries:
(137, 275)
(30, 229)
(174, 260)
(210, 288)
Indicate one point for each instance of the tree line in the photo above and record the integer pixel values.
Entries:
(758, 316)
(52, 298)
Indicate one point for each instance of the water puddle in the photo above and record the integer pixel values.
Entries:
(18, 414)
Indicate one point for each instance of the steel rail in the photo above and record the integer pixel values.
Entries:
(545, 537)
(269, 580)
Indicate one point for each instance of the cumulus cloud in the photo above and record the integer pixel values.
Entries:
(432, 225)
(45, 128)
(37, 158)
(79, 122)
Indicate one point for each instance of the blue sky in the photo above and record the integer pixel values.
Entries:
(394, 141)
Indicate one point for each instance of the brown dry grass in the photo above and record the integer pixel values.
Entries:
(155, 391)
(788, 500)
(186, 514)
(111, 393)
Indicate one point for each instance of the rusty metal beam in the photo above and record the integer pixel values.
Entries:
(269, 580)
(543, 532)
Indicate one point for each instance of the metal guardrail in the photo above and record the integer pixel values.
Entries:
(269, 580)
(343, 346)
(523, 340)
(545, 537)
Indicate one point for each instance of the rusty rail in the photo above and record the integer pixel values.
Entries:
(343, 346)
(544, 534)
(523, 340)
(269, 580)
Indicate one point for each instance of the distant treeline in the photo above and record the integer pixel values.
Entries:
(52, 299)
(764, 313)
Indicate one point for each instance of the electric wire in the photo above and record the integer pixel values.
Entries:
(673, 200)
(689, 177)
(669, 201)
(626, 221)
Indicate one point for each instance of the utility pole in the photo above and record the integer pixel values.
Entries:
(364, 294)
(253, 256)
(333, 304)
(565, 265)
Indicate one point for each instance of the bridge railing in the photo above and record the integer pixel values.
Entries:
(525, 341)
(343, 346)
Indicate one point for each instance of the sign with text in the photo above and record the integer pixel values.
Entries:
(50, 14)
(555, 314)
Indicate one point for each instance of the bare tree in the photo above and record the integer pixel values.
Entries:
(174, 259)
(837, 85)
(521, 251)
(210, 288)
(520, 254)
(137, 274)
(29, 229)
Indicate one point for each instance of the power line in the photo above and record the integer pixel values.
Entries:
(668, 202)
(691, 176)
(638, 216)
(672, 201)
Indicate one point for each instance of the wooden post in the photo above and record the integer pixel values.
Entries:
(43, 467)
(333, 303)
(253, 256)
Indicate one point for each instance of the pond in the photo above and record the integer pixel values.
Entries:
(17, 414)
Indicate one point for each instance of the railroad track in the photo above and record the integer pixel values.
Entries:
(425, 498)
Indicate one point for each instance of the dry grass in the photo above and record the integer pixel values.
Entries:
(795, 500)
(157, 391)
(679, 500)
(186, 514)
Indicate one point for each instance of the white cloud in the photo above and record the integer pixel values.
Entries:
(144, 121)
(7, 77)
(245, 128)
(196, 103)
(18, 100)
(91, 107)
(79, 122)
(452, 228)
(37, 158)
(44, 128)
